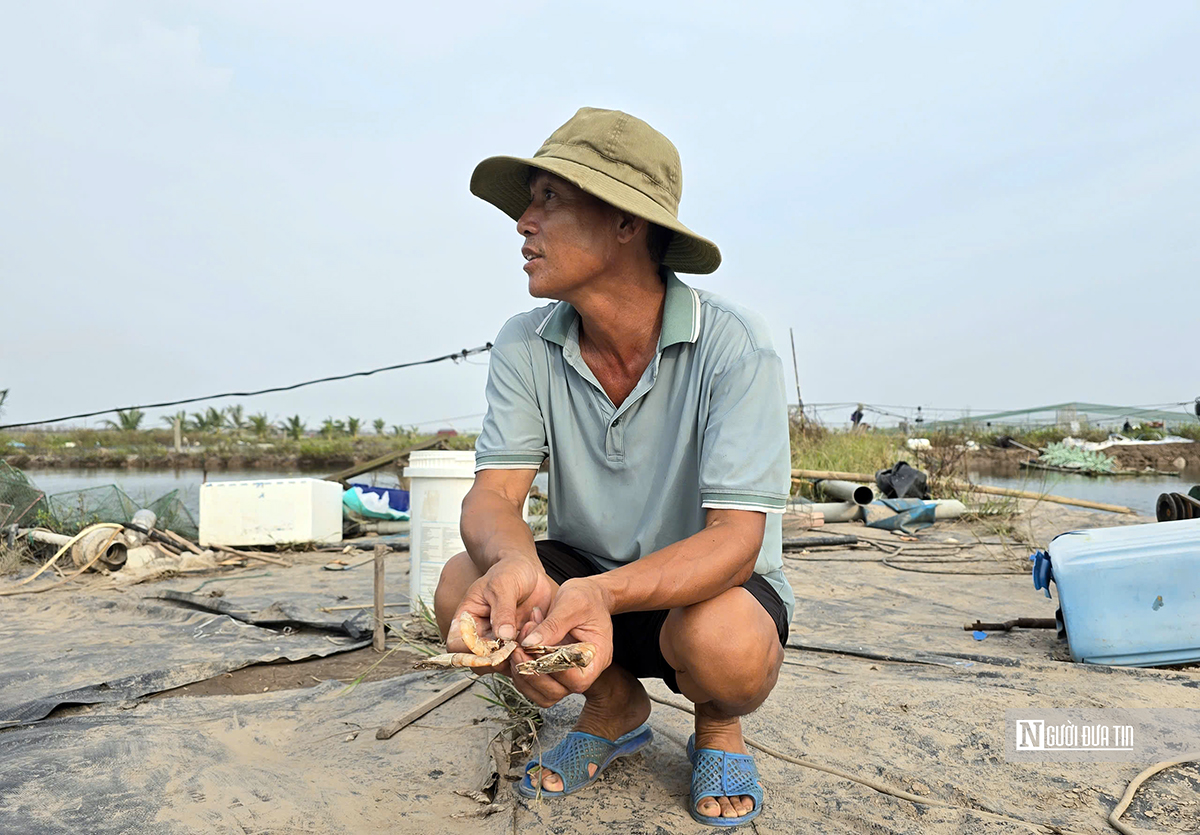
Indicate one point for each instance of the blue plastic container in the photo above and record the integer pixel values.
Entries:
(1130, 596)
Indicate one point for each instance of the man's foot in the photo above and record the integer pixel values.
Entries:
(615, 705)
(718, 730)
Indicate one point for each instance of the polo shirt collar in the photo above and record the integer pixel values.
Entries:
(681, 316)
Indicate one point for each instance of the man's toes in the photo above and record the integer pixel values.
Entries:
(727, 810)
(709, 807)
(744, 804)
(551, 782)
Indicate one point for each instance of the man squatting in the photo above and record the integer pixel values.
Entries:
(661, 409)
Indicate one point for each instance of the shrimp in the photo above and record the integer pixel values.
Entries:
(492, 652)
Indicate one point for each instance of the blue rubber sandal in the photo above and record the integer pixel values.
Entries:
(722, 774)
(569, 759)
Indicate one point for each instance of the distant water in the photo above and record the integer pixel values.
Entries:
(1139, 493)
(145, 486)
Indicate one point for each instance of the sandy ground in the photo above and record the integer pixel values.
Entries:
(880, 680)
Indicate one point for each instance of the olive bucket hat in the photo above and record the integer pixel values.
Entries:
(617, 158)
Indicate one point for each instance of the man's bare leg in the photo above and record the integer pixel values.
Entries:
(726, 673)
(614, 705)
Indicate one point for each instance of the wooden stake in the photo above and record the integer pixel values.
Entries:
(392, 728)
(380, 626)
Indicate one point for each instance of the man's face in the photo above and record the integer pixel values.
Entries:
(570, 237)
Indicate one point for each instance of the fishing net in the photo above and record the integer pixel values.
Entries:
(1076, 458)
(21, 502)
(174, 516)
(74, 510)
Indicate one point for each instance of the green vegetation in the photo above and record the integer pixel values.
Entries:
(215, 438)
(816, 448)
(127, 421)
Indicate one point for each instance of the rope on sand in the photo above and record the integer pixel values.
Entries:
(1134, 785)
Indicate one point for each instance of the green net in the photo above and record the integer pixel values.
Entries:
(174, 516)
(76, 509)
(21, 502)
(1076, 458)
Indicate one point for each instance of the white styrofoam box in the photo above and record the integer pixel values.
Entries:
(270, 512)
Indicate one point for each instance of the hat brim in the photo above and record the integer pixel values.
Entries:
(504, 182)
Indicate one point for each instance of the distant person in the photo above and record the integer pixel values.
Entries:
(920, 417)
(1128, 427)
(663, 414)
(856, 417)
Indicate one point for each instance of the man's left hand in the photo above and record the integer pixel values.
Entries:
(579, 612)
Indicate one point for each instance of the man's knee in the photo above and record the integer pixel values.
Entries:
(728, 642)
(458, 574)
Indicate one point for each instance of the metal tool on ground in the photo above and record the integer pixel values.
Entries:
(1009, 625)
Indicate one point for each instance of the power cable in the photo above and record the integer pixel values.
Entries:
(458, 355)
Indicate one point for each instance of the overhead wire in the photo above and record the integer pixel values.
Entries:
(457, 355)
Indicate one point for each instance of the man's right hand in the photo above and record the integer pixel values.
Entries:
(502, 600)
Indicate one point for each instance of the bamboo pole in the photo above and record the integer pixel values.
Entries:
(798, 475)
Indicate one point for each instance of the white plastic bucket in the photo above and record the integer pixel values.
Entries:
(439, 483)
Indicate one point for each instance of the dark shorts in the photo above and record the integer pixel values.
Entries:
(635, 634)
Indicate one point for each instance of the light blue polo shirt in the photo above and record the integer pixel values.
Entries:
(705, 427)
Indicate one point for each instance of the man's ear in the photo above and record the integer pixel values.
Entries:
(629, 226)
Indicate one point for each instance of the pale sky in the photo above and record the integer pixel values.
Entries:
(956, 205)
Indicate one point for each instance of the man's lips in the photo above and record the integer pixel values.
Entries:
(529, 253)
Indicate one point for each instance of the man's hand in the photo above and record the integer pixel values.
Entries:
(502, 601)
(580, 612)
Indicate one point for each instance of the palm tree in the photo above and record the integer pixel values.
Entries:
(353, 424)
(180, 416)
(215, 418)
(330, 427)
(379, 424)
(236, 418)
(210, 420)
(127, 421)
(294, 427)
(260, 425)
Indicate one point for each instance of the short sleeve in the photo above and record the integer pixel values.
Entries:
(745, 462)
(514, 434)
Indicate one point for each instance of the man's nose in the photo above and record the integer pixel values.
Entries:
(527, 223)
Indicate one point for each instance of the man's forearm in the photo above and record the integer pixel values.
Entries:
(698, 568)
(492, 529)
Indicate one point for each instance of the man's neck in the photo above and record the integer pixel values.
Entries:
(621, 317)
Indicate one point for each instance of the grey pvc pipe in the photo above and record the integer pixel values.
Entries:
(851, 512)
(834, 511)
(847, 491)
(48, 538)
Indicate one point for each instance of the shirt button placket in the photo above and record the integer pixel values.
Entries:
(616, 433)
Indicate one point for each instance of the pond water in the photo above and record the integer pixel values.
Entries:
(144, 486)
(1139, 493)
